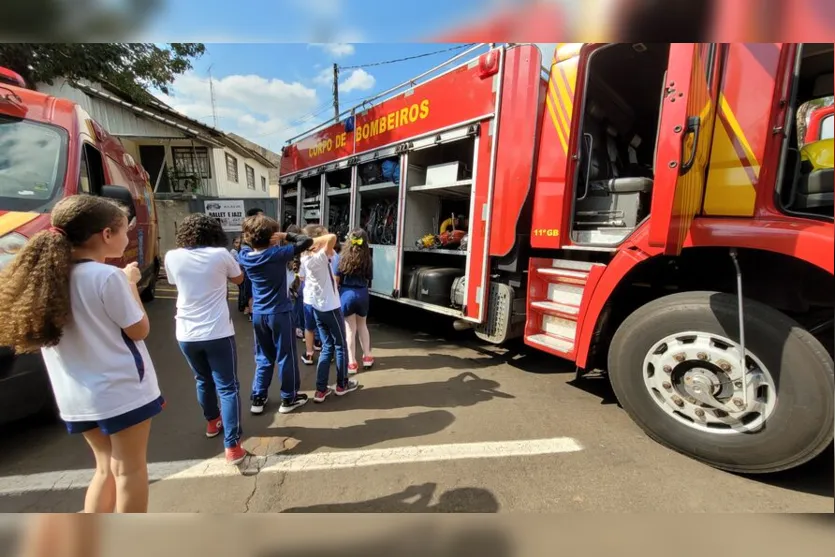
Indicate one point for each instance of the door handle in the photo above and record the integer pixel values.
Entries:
(694, 126)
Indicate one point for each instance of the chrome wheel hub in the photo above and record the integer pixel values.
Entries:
(697, 379)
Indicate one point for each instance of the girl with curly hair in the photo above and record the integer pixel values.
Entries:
(354, 275)
(200, 268)
(85, 316)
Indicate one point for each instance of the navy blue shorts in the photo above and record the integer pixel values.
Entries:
(309, 318)
(354, 301)
(110, 426)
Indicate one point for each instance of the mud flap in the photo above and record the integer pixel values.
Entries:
(505, 315)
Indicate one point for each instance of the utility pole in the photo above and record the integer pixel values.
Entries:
(335, 92)
(212, 96)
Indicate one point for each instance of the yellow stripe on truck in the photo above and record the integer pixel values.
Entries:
(12, 221)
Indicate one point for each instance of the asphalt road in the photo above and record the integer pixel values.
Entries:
(443, 423)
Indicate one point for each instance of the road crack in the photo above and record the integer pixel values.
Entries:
(252, 493)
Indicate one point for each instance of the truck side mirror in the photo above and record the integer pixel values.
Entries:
(123, 196)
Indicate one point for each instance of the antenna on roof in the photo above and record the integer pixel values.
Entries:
(212, 95)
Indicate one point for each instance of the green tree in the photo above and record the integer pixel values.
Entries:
(131, 67)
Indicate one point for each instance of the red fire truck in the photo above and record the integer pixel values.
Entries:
(637, 209)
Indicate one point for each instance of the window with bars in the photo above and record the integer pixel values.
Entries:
(231, 168)
(263, 184)
(250, 177)
(191, 161)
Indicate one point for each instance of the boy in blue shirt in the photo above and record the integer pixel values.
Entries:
(265, 263)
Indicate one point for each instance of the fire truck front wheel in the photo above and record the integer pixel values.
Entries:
(675, 365)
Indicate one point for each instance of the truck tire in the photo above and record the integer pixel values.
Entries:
(150, 291)
(665, 350)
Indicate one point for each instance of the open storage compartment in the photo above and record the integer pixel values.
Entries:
(311, 202)
(337, 201)
(378, 188)
(289, 203)
(438, 195)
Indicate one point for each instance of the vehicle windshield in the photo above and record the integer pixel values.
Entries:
(33, 160)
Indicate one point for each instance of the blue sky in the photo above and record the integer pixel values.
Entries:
(271, 84)
(301, 20)
(270, 92)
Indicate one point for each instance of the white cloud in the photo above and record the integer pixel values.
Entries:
(324, 77)
(337, 50)
(357, 80)
(265, 111)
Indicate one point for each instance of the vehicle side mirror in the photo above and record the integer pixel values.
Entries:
(123, 196)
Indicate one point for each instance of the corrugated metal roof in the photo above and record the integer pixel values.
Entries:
(155, 122)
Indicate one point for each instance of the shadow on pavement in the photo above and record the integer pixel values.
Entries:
(815, 477)
(430, 361)
(597, 385)
(465, 389)
(415, 499)
(371, 432)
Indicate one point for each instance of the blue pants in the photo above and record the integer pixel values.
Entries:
(303, 314)
(275, 342)
(331, 327)
(215, 367)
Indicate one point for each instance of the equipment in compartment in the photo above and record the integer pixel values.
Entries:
(310, 210)
(453, 235)
(450, 240)
(381, 171)
(289, 218)
(379, 220)
(431, 285)
(459, 291)
(339, 220)
(371, 173)
(391, 170)
(447, 173)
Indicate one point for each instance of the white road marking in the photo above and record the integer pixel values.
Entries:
(217, 467)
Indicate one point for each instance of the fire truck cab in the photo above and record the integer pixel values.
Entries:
(51, 148)
(639, 209)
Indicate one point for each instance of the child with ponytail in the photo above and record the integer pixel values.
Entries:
(58, 296)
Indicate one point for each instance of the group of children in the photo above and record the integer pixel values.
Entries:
(60, 296)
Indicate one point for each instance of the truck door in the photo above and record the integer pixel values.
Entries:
(688, 111)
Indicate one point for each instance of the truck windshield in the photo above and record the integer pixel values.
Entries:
(33, 160)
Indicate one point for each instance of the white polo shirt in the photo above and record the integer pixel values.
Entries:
(96, 371)
(201, 277)
(320, 289)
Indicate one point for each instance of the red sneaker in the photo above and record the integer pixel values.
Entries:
(353, 369)
(213, 428)
(235, 455)
(320, 396)
(367, 362)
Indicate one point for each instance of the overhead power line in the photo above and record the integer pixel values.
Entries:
(406, 58)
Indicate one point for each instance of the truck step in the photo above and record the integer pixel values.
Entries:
(562, 275)
(559, 327)
(565, 294)
(558, 344)
(553, 308)
(572, 265)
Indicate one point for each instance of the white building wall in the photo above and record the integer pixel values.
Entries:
(239, 189)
